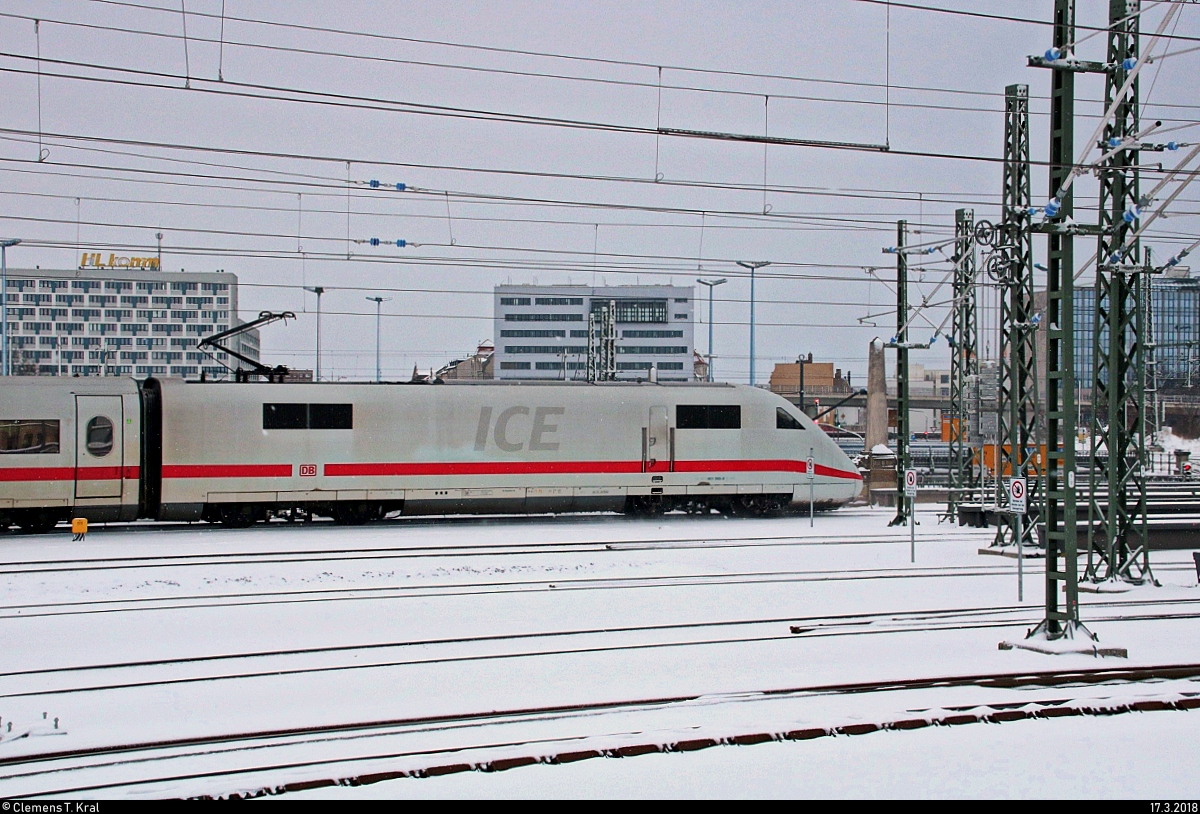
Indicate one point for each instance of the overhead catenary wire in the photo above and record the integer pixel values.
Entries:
(281, 94)
(577, 58)
(504, 203)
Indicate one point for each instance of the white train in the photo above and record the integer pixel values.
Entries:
(236, 453)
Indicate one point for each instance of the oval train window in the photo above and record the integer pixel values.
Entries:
(99, 436)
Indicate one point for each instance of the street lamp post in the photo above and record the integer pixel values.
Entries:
(5, 365)
(379, 301)
(711, 285)
(318, 290)
(753, 266)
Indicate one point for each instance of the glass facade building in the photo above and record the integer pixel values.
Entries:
(1175, 323)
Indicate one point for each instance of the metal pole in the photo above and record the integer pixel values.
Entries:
(811, 488)
(5, 362)
(711, 285)
(912, 529)
(379, 301)
(900, 343)
(318, 290)
(4, 306)
(753, 266)
(710, 332)
(1020, 517)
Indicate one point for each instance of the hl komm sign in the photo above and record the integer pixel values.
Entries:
(97, 261)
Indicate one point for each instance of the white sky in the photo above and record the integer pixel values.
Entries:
(441, 303)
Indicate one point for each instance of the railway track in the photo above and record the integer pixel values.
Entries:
(379, 593)
(703, 634)
(249, 755)
(38, 566)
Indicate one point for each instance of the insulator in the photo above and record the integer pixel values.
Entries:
(1129, 64)
(890, 250)
(401, 243)
(1172, 145)
(374, 241)
(1053, 54)
(1114, 142)
(374, 184)
(1132, 213)
(401, 187)
(1053, 206)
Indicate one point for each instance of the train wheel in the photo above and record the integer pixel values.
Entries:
(752, 506)
(645, 506)
(238, 516)
(37, 521)
(354, 514)
(656, 507)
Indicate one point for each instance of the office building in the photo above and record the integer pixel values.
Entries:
(1175, 323)
(121, 321)
(542, 331)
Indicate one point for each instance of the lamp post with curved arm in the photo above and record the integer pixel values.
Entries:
(711, 285)
(5, 366)
(318, 290)
(754, 266)
(379, 301)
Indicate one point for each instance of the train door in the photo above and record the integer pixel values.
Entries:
(657, 452)
(99, 446)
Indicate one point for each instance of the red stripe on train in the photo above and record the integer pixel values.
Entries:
(416, 469)
(59, 473)
(228, 471)
(572, 467)
(485, 468)
(106, 472)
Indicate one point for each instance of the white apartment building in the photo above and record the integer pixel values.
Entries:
(542, 331)
(120, 322)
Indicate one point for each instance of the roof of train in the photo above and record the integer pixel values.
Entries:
(493, 383)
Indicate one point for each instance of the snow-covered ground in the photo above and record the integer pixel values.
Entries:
(336, 653)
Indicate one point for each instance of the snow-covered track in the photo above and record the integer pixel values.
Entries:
(250, 665)
(155, 767)
(272, 557)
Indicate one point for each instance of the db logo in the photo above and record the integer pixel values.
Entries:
(308, 470)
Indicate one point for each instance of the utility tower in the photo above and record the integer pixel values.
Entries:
(602, 343)
(1060, 506)
(964, 363)
(900, 343)
(1117, 502)
(1014, 271)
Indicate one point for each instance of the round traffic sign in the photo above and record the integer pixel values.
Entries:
(1016, 488)
(910, 477)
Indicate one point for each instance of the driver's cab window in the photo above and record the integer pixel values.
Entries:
(786, 421)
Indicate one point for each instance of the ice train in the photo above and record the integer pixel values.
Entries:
(112, 449)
